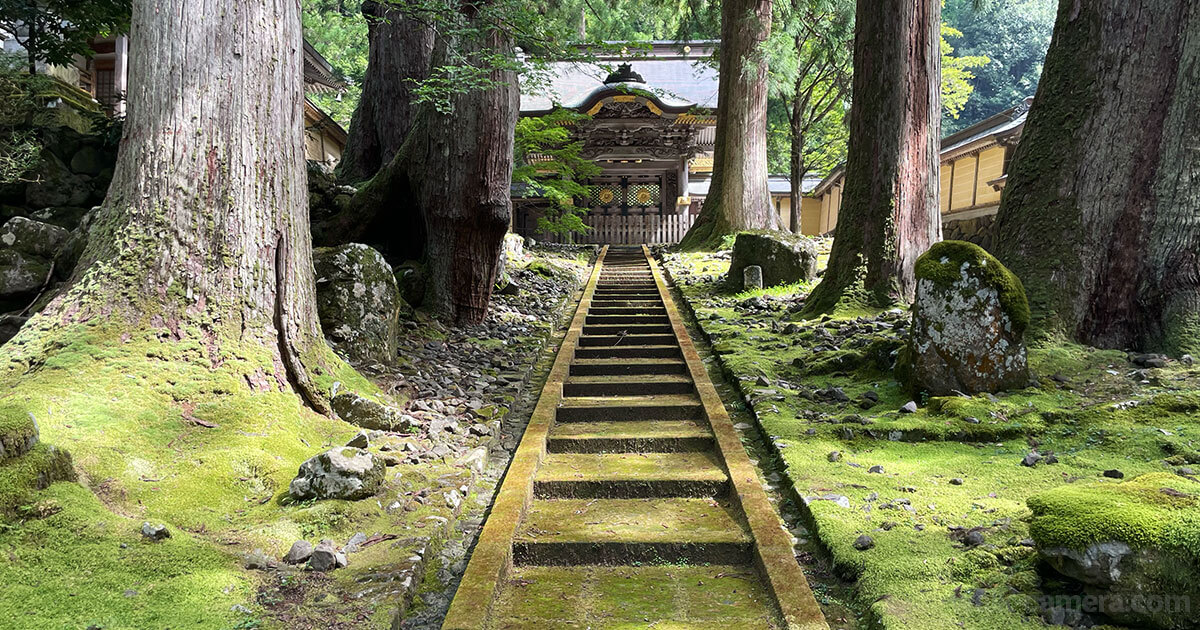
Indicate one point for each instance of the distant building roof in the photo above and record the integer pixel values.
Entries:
(779, 185)
(995, 129)
(678, 73)
(319, 76)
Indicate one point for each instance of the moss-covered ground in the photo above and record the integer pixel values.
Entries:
(823, 393)
(159, 433)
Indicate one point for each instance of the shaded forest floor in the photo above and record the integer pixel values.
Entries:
(941, 491)
(215, 470)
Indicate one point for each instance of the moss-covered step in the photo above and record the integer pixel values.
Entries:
(707, 597)
(647, 436)
(625, 385)
(626, 310)
(631, 531)
(626, 303)
(630, 475)
(629, 352)
(600, 367)
(611, 408)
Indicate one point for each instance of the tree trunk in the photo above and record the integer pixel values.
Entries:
(461, 167)
(1101, 215)
(400, 48)
(738, 198)
(890, 213)
(203, 239)
(798, 168)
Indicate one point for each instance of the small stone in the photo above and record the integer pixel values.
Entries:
(360, 441)
(354, 545)
(258, 561)
(324, 557)
(763, 381)
(1114, 474)
(973, 538)
(909, 407)
(1031, 459)
(1050, 458)
(155, 532)
(1187, 359)
(752, 277)
(476, 459)
(971, 420)
(864, 542)
(300, 552)
(1186, 471)
(876, 469)
(956, 481)
(834, 456)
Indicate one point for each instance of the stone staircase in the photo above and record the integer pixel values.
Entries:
(620, 509)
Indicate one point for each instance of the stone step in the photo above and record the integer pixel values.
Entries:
(631, 385)
(588, 341)
(632, 531)
(619, 408)
(622, 303)
(626, 310)
(627, 319)
(630, 475)
(695, 597)
(635, 329)
(632, 352)
(618, 366)
(650, 436)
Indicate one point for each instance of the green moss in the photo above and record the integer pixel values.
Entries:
(84, 566)
(22, 476)
(1160, 510)
(942, 265)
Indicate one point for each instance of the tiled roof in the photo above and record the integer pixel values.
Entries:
(677, 81)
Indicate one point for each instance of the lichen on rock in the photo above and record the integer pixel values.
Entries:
(358, 302)
(340, 473)
(969, 320)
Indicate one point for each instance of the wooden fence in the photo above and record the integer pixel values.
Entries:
(617, 229)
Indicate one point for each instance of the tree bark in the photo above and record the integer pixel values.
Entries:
(400, 49)
(461, 168)
(1101, 215)
(890, 213)
(796, 162)
(203, 239)
(738, 198)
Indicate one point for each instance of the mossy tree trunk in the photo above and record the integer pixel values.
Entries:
(1101, 215)
(460, 165)
(890, 213)
(738, 198)
(400, 48)
(203, 241)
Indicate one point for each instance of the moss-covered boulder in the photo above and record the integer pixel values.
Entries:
(32, 237)
(369, 414)
(784, 258)
(358, 302)
(1135, 545)
(344, 472)
(969, 320)
(26, 465)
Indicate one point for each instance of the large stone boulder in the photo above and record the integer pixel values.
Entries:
(1134, 545)
(784, 258)
(358, 302)
(969, 320)
(339, 473)
(21, 276)
(32, 237)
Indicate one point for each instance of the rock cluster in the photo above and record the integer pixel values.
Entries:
(968, 323)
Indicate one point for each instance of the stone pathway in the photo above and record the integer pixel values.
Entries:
(631, 501)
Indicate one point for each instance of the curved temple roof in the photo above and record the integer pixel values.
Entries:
(679, 81)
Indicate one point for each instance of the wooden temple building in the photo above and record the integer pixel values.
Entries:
(651, 129)
(104, 76)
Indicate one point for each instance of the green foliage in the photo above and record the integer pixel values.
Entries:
(1014, 36)
(54, 31)
(338, 30)
(957, 74)
(549, 166)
